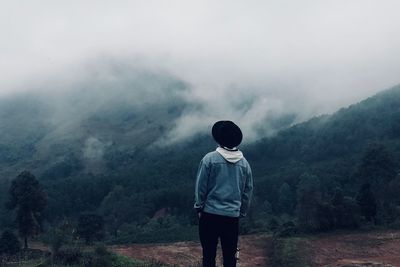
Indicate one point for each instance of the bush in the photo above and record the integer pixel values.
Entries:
(101, 258)
(9, 243)
(288, 252)
(273, 224)
(69, 256)
(287, 229)
(153, 232)
(90, 227)
(58, 236)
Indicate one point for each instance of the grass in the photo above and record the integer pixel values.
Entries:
(289, 252)
(93, 259)
(118, 261)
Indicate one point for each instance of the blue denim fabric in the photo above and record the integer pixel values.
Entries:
(222, 187)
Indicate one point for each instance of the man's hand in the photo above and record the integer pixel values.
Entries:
(199, 214)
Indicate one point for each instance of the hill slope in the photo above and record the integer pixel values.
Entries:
(338, 250)
(94, 153)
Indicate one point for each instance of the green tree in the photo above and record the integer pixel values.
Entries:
(308, 200)
(325, 217)
(114, 209)
(393, 205)
(377, 168)
(286, 199)
(28, 198)
(367, 202)
(337, 206)
(9, 243)
(90, 227)
(351, 213)
(346, 211)
(58, 236)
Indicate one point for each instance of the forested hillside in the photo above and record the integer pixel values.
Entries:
(319, 175)
(315, 171)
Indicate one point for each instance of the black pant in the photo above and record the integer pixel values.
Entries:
(212, 227)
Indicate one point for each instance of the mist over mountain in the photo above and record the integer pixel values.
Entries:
(115, 109)
(76, 122)
(109, 147)
(107, 110)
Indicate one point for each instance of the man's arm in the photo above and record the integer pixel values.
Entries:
(247, 193)
(201, 186)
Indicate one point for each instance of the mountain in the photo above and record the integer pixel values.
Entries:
(96, 149)
(341, 137)
(70, 131)
(332, 147)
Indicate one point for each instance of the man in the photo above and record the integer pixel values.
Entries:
(224, 187)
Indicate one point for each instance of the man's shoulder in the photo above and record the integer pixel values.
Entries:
(211, 156)
(245, 161)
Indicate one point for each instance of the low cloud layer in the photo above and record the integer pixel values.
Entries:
(280, 57)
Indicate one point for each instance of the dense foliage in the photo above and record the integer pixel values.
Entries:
(343, 168)
(331, 172)
(90, 227)
(9, 243)
(28, 199)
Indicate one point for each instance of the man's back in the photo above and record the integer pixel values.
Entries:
(224, 186)
(226, 182)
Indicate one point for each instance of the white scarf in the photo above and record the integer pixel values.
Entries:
(232, 156)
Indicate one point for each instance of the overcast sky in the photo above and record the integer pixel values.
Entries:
(312, 55)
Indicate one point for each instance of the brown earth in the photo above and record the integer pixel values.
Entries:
(329, 250)
(356, 249)
(185, 254)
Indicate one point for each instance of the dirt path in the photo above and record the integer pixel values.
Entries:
(187, 254)
(327, 250)
(352, 249)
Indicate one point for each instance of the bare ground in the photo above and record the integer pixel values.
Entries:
(329, 250)
(357, 249)
(253, 252)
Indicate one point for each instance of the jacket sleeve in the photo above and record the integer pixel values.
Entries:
(247, 193)
(201, 185)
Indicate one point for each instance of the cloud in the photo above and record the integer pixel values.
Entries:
(93, 149)
(254, 113)
(249, 61)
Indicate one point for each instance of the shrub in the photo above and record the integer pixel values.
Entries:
(69, 256)
(287, 229)
(90, 227)
(9, 243)
(58, 236)
(288, 252)
(102, 257)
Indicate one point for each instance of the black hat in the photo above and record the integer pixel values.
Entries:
(227, 134)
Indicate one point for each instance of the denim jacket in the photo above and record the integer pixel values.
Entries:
(224, 184)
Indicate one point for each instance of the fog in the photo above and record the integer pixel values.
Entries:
(251, 61)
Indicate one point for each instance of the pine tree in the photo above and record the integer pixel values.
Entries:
(345, 210)
(366, 201)
(27, 197)
(9, 243)
(286, 199)
(90, 227)
(308, 200)
(377, 168)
